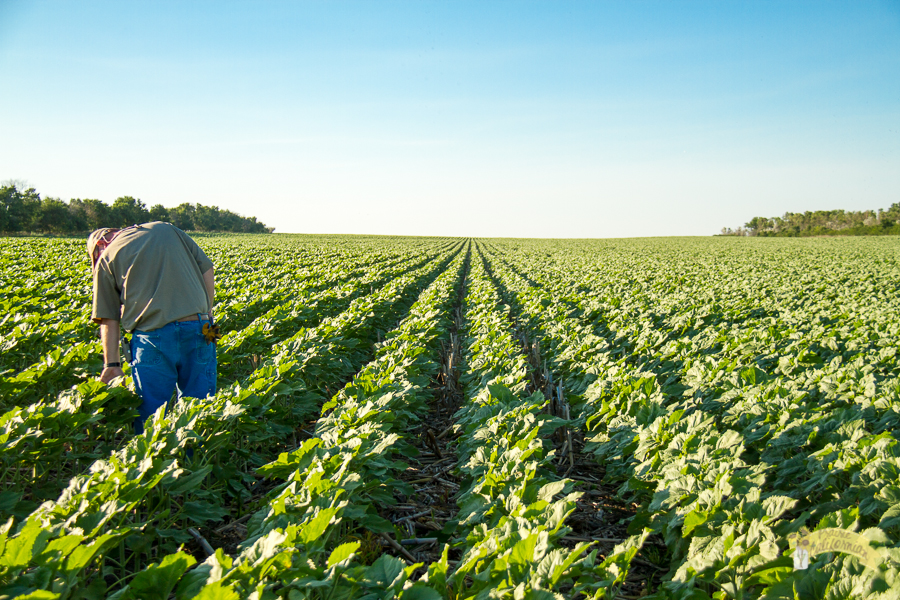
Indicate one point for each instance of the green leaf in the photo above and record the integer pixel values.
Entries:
(692, 520)
(39, 595)
(157, 581)
(890, 518)
(843, 519)
(549, 490)
(773, 574)
(8, 501)
(21, 550)
(200, 512)
(216, 591)
(876, 535)
(84, 554)
(420, 591)
(58, 549)
(385, 571)
(523, 551)
(560, 568)
(188, 482)
(376, 523)
(342, 553)
(96, 590)
(776, 506)
(438, 570)
(314, 529)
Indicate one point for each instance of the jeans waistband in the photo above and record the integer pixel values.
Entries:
(195, 317)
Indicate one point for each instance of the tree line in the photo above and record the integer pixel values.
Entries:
(823, 222)
(24, 211)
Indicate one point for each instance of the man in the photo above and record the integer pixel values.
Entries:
(157, 283)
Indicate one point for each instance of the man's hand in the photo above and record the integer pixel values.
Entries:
(110, 373)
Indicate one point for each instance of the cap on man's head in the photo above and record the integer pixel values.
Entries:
(94, 238)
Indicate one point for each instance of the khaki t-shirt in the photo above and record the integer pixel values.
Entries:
(149, 276)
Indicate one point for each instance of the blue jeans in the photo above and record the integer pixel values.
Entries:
(173, 358)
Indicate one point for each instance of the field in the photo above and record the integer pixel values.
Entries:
(480, 418)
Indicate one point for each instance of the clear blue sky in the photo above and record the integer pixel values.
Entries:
(549, 119)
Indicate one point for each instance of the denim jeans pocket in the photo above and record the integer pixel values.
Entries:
(206, 351)
(145, 348)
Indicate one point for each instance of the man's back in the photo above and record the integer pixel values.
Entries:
(155, 272)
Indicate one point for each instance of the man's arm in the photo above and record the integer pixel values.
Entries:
(209, 281)
(109, 336)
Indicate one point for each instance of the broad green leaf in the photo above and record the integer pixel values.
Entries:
(342, 553)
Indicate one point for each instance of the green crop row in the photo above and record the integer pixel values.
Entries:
(335, 482)
(512, 507)
(731, 391)
(135, 500)
(734, 414)
(65, 352)
(51, 440)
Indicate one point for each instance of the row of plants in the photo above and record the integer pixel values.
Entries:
(305, 542)
(512, 509)
(512, 505)
(733, 390)
(136, 505)
(736, 408)
(240, 349)
(44, 356)
(49, 441)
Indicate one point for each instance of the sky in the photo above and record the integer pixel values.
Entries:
(488, 119)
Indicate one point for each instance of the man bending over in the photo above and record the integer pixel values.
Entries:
(157, 283)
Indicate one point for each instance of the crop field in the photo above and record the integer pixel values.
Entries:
(430, 418)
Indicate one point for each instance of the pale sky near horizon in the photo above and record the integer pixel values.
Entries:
(525, 119)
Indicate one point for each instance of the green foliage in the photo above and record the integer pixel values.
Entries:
(23, 211)
(734, 394)
(512, 506)
(731, 395)
(824, 222)
(149, 490)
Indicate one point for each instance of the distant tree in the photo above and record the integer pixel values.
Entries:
(6, 203)
(890, 216)
(740, 231)
(78, 220)
(755, 224)
(230, 221)
(206, 218)
(22, 208)
(98, 214)
(127, 210)
(19, 184)
(54, 216)
(182, 216)
(158, 212)
(251, 225)
(826, 222)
